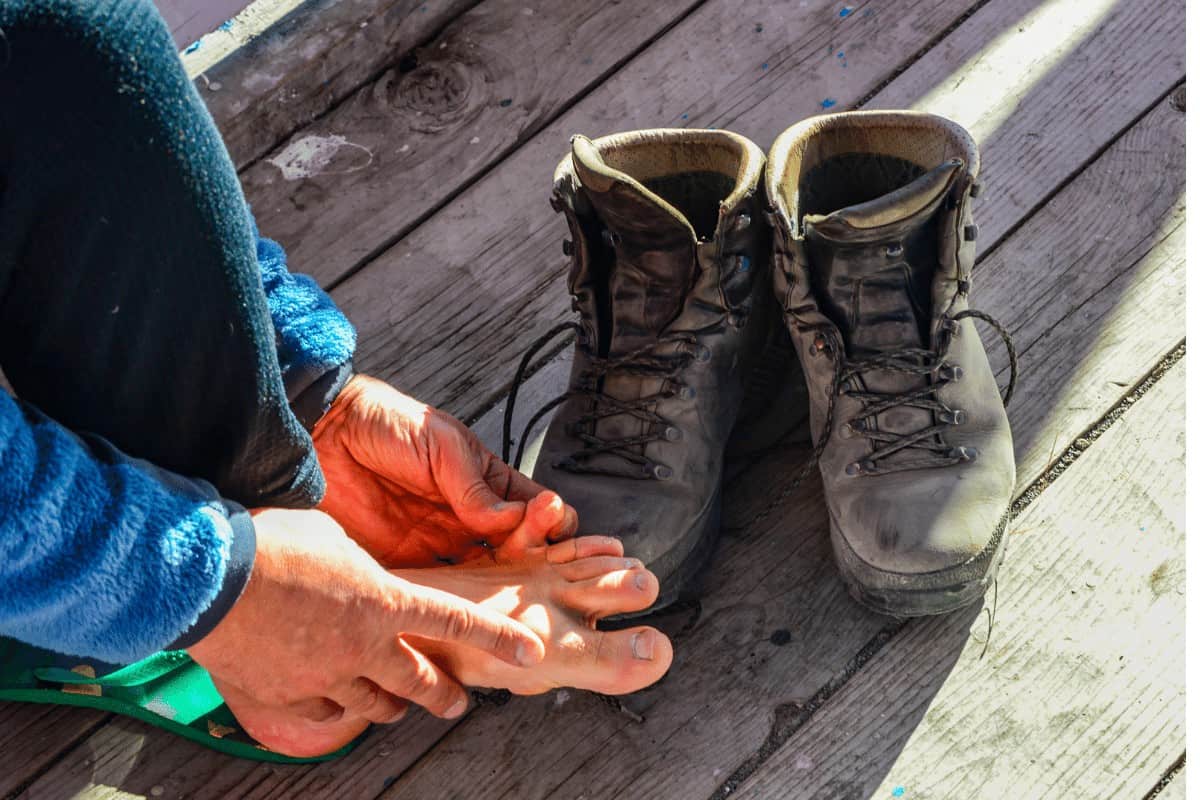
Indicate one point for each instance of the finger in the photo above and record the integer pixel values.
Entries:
(365, 698)
(409, 674)
(429, 612)
(460, 467)
(587, 568)
(584, 547)
(512, 485)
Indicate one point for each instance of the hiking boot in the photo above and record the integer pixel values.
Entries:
(670, 276)
(874, 248)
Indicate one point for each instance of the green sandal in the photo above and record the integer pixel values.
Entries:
(168, 690)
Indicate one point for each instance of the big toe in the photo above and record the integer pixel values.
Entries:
(627, 660)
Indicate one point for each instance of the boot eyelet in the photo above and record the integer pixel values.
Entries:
(703, 355)
(743, 263)
(735, 320)
(951, 326)
(819, 345)
(686, 393)
(741, 222)
(672, 434)
(845, 386)
(952, 417)
(951, 372)
(965, 453)
(847, 431)
(659, 472)
(894, 250)
(863, 467)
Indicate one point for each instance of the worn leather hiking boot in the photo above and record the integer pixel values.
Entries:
(874, 245)
(670, 275)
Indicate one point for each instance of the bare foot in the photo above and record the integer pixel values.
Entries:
(559, 591)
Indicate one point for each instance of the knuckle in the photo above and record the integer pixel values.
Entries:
(420, 681)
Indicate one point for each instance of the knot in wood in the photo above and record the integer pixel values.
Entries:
(434, 96)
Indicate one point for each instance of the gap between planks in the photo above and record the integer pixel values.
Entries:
(1152, 269)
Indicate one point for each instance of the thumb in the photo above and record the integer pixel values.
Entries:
(472, 499)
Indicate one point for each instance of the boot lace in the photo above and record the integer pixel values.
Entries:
(644, 362)
(931, 363)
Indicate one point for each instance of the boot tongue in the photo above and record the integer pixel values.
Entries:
(873, 263)
(654, 265)
(873, 268)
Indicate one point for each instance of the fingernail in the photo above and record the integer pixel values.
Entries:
(640, 581)
(524, 656)
(630, 563)
(458, 709)
(643, 646)
(504, 506)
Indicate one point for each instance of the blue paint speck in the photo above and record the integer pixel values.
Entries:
(828, 102)
(898, 791)
(766, 65)
(226, 25)
(758, 28)
(743, 264)
(845, 12)
(841, 57)
(684, 116)
(1142, 529)
(193, 47)
(506, 102)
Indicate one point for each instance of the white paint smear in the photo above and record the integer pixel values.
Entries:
(309, 155)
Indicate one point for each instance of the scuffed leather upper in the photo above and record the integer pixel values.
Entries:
(840, 276)
(642, 276)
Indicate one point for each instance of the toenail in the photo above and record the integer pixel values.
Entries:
(458, 709)
(640, 582)
(643, 646)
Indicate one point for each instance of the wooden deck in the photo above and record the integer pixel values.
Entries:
(402, 151)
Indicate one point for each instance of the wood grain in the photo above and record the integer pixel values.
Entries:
(718, 705)
(32, 736)
(427, 127)
(307, 62)
(446, 313)
(1081, 692)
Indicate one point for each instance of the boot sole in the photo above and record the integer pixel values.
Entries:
(921, 594)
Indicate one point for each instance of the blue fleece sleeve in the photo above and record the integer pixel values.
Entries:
(106, 556)
(314, 340)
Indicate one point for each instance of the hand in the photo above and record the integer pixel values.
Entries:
(415, 487)
(317, 631)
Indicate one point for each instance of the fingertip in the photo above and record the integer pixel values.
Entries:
(456, 709)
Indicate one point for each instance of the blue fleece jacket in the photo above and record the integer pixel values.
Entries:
(110, 557)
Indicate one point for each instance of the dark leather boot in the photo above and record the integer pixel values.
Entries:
(670, 275)
(874, 249)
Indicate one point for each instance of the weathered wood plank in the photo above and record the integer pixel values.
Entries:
(446, 313)
(713, 711)
(1081, 692)
(344, 188)
(32, 736)
(263, 83)
(483, 277)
